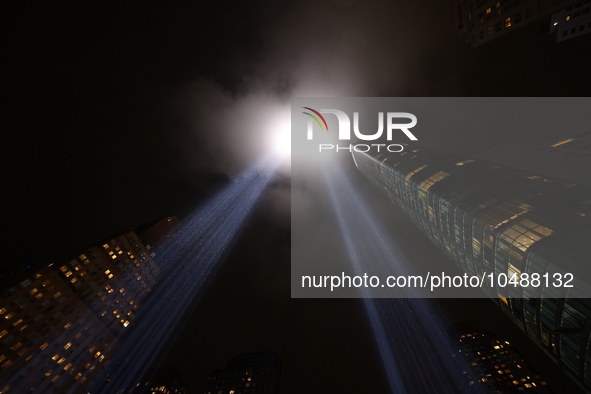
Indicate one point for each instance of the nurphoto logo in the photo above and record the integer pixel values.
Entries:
(344, 129)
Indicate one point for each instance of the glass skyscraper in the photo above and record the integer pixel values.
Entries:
(489, 218)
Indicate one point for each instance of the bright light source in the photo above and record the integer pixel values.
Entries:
(282, 140)
(278, 133)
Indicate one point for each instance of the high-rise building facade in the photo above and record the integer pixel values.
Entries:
(481, 21)
(50, 341)
(60, 323)
(494, 366)
(255, 373)
(491, 218)
(565, 158)
(112, 279)
(572, 21)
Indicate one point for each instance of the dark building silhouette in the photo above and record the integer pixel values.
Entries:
(255, 373)
(154, 234)
(489, 218)
(159, 381)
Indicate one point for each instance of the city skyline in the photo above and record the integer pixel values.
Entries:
(121, 116)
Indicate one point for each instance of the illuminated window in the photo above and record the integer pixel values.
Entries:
(488, 10)
(568, 18)
(562, 142)
(68, 345)
(427, 183)
(526, 233)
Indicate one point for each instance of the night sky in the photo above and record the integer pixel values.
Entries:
(117, 116)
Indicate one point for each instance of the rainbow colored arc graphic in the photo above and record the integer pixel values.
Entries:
(315, 118)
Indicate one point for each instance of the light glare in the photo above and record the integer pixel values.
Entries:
(282, 139)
